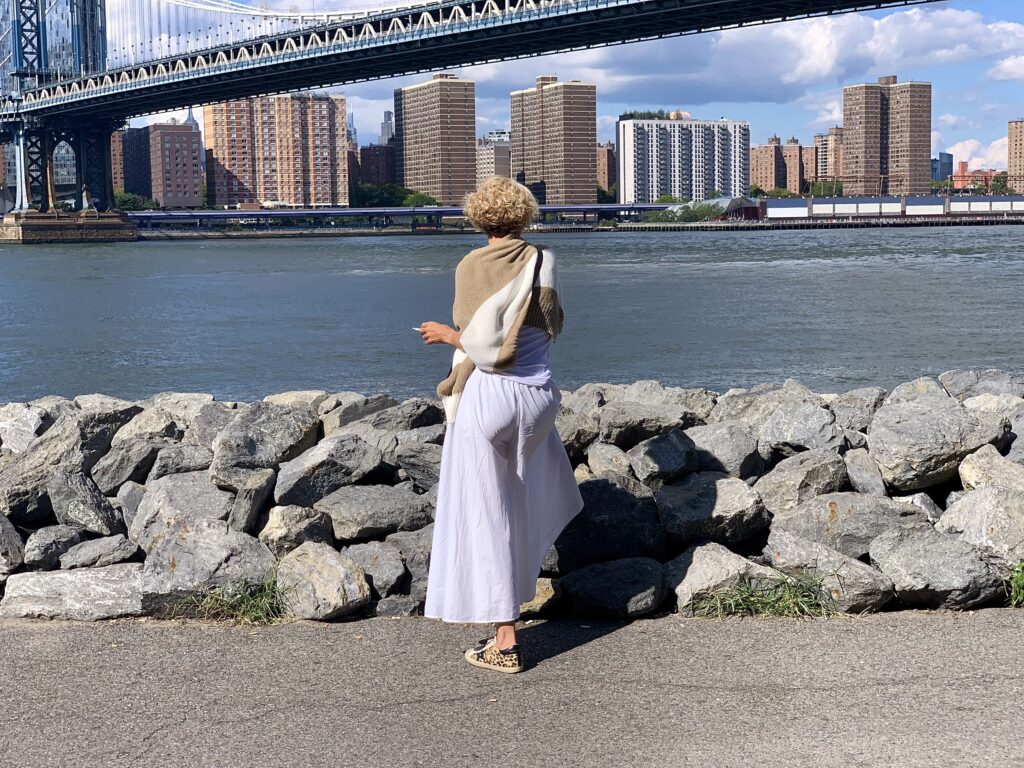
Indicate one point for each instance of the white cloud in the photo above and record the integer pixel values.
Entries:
(979, 155)
(936, 143)
(1010, 68)
(951, 121)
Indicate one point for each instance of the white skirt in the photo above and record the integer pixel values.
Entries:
(507, 490)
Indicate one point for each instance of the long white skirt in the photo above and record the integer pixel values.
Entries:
(507, 490)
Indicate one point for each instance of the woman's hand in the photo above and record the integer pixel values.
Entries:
(438, 333)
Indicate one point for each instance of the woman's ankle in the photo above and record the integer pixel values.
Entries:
(505, 635)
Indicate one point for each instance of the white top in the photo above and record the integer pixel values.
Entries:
(533, 358)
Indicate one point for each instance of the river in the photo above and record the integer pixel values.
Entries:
(835, 309)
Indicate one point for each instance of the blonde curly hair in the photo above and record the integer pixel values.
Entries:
(500, 207)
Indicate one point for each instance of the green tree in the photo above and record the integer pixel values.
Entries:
(715, 193)
(670, 199)
(363, 194)
(756, 191)
(128, 201)
(1001, 184)
(419, 200)
(607, 195)
(827, 188)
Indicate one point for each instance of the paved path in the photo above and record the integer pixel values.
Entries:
(905, 690)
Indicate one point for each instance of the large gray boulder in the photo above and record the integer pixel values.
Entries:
(320, 583)
(664, 458)
(603, 458)
(848, 522)
(589, 398)
(300, 398)
(698, 401)
(705, 568)
(252, 499)
(289, 527)
(209, 421)
(710, 505)
(128, 498)
(619, 520)
(421, 461)
(190, 557)
(21, 424)
(105, 405)
(931, 569)
(183, 407)
(415, 549)
(1008, 406)
(99, 553)
(351, 406)
(625, 423)
(855, 409)
(152, 425)
(189, 497)
(802, 477)
(864, 474)
(368, 511)
(914, 390)
(77, 501)
(45, 546)
(991, 518)
(84, 594)
(925, 503)
(577, 430)
(986, 467)
(920, 443)
(728, 446)
(620, 589)
(12, 548)
(963, 384)
(410, 414)
(382, 564)
(334, 463)
(855, 587)
(178, 459)
(263, 436)
(130, 460)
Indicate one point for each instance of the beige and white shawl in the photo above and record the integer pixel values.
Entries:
(498, 289)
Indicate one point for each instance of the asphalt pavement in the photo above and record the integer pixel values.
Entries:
(908, 689)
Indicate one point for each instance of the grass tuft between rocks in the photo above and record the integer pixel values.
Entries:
(796, 596)
(248, 603)
(1016, 587)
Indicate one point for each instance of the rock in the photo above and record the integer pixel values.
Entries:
(800, 425)
(104, 405)
(848, 522)
(381, 562)
(352, 406)
(99, 553)
(178, 459)
(422, 461)
(589, 398)
(208, 422)
(802, 477)
(664, 458)
(854, 586)
(45, 546)
(128, 499)
(1007, 406)
(986, 467)
(698, 401)
(263, 436)
(396, 606)
(953, 497)
(126, 461)
(252, 499)
(925, 503)
(188, 557)
(930, 569)
(863, 473)
(709, 567)
(855, 440)
(964, 384)
(415, 549)
(620, 589)
(547, 594)
(410, 414)
(582, 473)
(12, 549)
(55, 406)
(367, 511)
(151, 425)
(855, 409)
(578, 432)
(77, 501)
(321, 584)
(912, 390)
(991, 518)
(602, 458)
(434, 435)
(729, 447)
(190, 497)
(21, 424)
(183, 407)
(625, 423)
(288, 527)
(307, 398)
(84, 594)
(921, 443)
(710, 505)
(74, 443)
(614, 524)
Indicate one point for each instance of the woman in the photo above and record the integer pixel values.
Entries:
(507, 489)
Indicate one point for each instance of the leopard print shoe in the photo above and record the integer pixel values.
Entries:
(490, 656)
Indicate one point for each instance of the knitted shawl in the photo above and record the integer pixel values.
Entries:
(498, 289)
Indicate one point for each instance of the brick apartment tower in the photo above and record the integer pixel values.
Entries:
(230, 153)
(554, 140)
(887, 135)
(829, 159)
(1015, 158)
(174, 163)
(117, 160)
(777, 166)
(435, 138)
(607, 166)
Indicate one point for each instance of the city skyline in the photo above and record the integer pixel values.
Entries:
(972, 51)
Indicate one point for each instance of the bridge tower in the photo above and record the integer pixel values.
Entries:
(36, 138)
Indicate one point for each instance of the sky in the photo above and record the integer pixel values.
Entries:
(784, 79)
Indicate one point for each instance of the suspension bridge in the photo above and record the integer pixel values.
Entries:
(75, 70)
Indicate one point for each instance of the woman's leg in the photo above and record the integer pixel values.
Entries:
(505, 634)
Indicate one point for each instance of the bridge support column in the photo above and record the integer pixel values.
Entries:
(38, 163)
(96, 182)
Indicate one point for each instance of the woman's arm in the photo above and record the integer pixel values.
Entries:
(438, 333)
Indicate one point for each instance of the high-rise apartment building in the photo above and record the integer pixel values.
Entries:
(1015, 158)
(829, 155)
(607, 168)
(942, 167)
(137, 161)
(387, 128)
(688, 159)
(174, 162)
(117, 160)
(493, 156)
(435, 138)
(377, 164)
(783, 166)
(887, 130)
(554, 140)
(289, 151)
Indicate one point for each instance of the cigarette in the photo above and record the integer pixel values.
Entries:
(417, 330)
